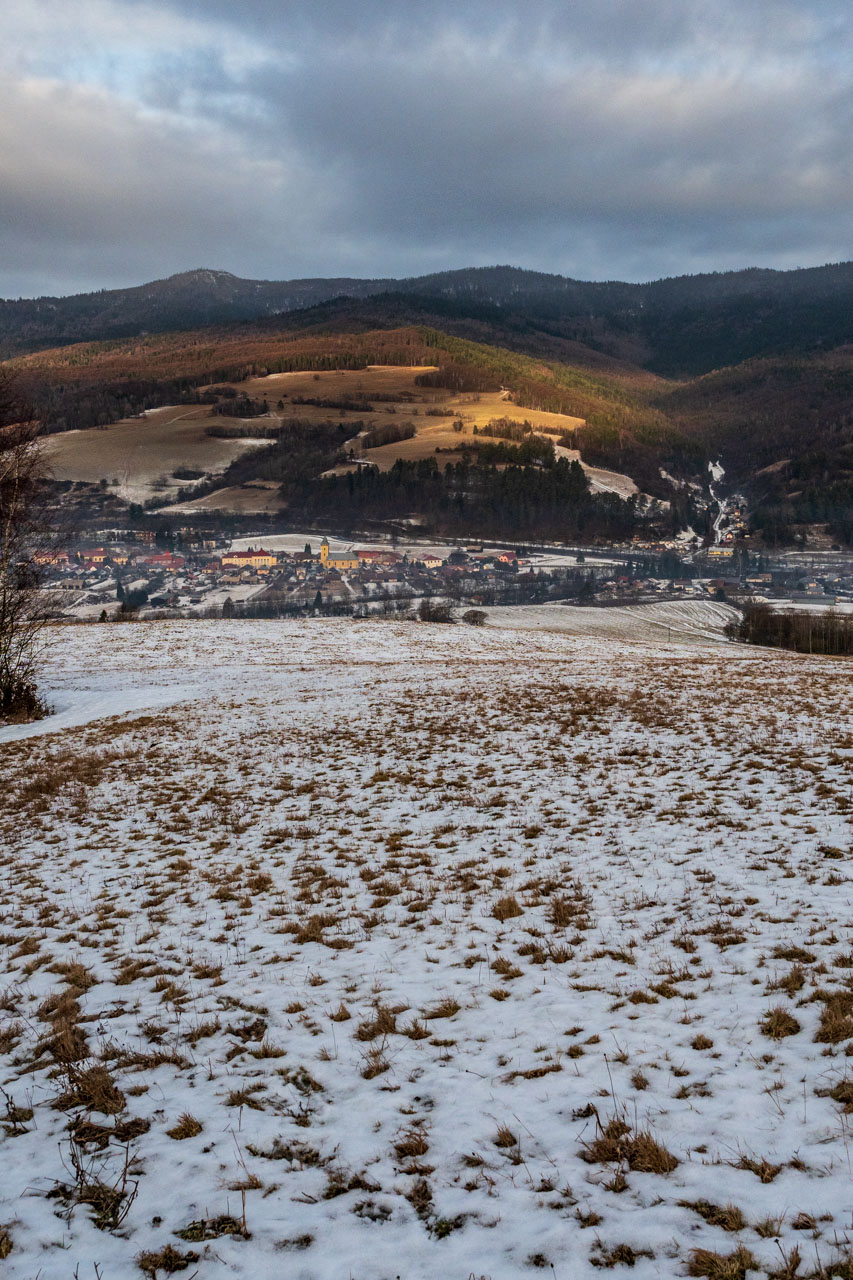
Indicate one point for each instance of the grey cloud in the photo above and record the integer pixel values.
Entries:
(604, 138)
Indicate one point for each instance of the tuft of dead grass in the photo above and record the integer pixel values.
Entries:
(617, 1142)
(778, 1023)
(728, 1216)
(187, 1127)
(507, 908)
(168, 1260)
(721, 1266)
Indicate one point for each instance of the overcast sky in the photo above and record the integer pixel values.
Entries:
(602, 139)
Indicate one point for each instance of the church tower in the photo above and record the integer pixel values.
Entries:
(324, 551)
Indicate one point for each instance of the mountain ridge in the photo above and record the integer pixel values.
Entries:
(679, 326)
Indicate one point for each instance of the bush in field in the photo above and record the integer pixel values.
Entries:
(435, 611)
(474, 617)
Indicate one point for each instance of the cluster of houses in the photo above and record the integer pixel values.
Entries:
(90, 579)
(207, 575)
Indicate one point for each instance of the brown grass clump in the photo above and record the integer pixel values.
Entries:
(313, 931)
(836, 1017)
(778, 1023)
(187, 1127)
(420, 1198)
(507, 908)
(340, 1180)
(416, 1030)
(792, 952)
(721, 1266)
(616, 1255)
(168, 1260)
(375, 1063)
(445, 1008)
(701, 1042)
(565, 912)
(763, 1169)
(245, 1098)
(792, 982)
(641, 1151)
(727, 1216)
(212, 1228)
(411, 1144)
(505, 1137)
(769, 1228)
(93, 1089)
(78, 977)
(843, 1094)
(383, 1023)
(87, 1133)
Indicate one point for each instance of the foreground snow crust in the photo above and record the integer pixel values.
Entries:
(408, 919)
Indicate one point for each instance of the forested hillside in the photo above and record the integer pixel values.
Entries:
(678, 327)
(782, 425)
(92, 384)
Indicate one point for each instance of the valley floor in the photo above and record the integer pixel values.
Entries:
(376, 950)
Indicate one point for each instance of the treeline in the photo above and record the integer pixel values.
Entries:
(822, 493)
(390, 434)
(458, 378)
(240, 407)
(505, 429)
(527, 502)
(351, 403)
(267, 430)
(295, 458)
(533, 451)
(622, 430)
(74, 407)
(805, 632)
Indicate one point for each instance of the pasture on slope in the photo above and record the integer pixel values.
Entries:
(404, 951)
(139, 456)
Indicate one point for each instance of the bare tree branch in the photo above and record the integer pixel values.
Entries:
(26, 540)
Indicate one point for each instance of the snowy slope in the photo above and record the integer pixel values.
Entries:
(458, 945)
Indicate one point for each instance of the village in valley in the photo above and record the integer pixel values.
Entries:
(185, 573)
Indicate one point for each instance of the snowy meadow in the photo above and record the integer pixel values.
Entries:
(340, 950)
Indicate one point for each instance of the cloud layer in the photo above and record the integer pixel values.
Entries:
(602, 139)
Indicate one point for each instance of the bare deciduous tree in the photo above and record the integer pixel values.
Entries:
(25, 541)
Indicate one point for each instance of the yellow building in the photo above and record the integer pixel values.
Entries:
(329, 561)
(251, 559)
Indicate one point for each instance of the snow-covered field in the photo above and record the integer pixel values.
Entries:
(676, 620)
(369, 949)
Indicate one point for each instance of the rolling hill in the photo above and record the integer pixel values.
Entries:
(781, 423)
(679, 327)
(90, 384)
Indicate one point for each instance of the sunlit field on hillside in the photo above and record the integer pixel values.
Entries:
(146, 457)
